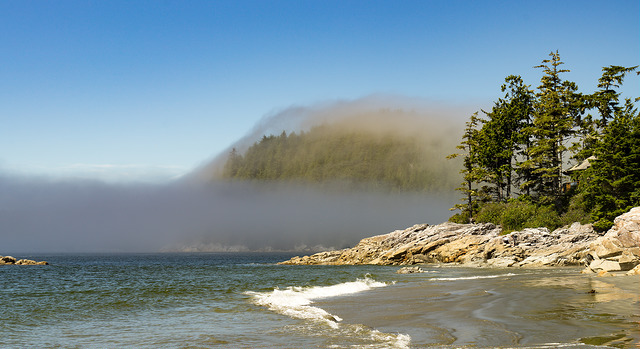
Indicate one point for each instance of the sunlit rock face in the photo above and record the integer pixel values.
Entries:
(619, 248)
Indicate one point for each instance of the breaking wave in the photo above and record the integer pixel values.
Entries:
(296, 302)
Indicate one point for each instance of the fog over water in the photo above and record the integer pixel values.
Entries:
(42, 216)
(201, 214)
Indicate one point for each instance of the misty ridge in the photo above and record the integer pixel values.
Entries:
(205, 212)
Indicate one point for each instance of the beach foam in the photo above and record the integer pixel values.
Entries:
(296, 302)
(472, 277)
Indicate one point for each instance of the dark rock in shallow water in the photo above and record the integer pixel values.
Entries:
(484, 245)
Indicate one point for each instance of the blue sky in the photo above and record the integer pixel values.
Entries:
(148, 90)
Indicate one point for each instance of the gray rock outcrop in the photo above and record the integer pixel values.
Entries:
(485, 245)
(472, 244)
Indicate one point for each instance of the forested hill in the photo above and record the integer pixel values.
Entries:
(357, 157)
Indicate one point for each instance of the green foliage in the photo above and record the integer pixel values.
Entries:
(461, 218)
(611, 186)
(472, 172)
(491, 213)
(606, 99)
(501, 137)
(328, 153)
(577, 211)
(526, 140)
(557, 110)
(518, 214)
(545, 216)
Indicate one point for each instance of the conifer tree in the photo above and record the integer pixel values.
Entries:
(472, 173)
(607, 99)
(611, 185)
(522, 103)
(526, 136)
(503, 136)
(233, 164)
(555, 113)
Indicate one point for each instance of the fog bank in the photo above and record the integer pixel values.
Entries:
(45, 216)
(197, 213)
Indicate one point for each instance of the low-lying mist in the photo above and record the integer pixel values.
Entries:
(199, 213)
(44, 216)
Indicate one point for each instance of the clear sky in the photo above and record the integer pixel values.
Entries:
(147, 90)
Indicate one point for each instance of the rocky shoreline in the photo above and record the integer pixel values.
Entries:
(9, 260)
(483, 245)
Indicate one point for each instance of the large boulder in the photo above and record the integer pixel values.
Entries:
(619, 248)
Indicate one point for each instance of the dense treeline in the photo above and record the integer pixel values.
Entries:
(554, 155)
(329, 153)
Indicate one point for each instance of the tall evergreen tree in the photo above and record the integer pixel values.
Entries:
(522, 101)
(612, 184)
(526, 136)
(607, 99)
(233, 164)
(555, 113)
(504, 135)
(472, 173)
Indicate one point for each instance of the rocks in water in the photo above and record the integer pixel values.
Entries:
(485, 245)
(30, 262)
(9, 260)
(410, 270)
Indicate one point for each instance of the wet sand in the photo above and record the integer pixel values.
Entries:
(501, 308)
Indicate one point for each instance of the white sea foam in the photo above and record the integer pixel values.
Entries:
(391, 340)
(296, 302)
(473, 277)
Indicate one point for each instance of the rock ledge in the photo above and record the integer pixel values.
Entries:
(483, 245)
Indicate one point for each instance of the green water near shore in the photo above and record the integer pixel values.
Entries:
(246, 300)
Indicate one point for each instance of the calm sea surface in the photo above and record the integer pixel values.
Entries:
(245, 300)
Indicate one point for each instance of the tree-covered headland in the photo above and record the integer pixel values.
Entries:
(353, 156)
(553, 155)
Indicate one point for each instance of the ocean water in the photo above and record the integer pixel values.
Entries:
(219, 300)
